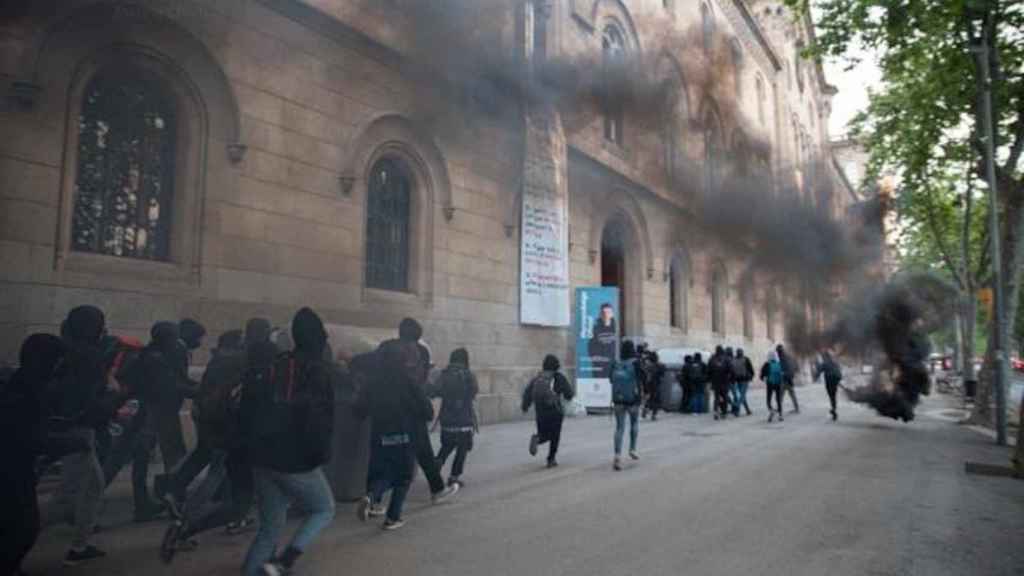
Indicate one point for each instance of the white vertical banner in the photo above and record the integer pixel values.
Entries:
(544, 248)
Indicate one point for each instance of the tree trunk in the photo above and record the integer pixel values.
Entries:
(968, 320)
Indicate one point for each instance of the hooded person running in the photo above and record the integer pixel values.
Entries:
(287, 422)
(720, 374)
(23, 439)
(457, 387)
(773, 377)
(833, 376)
(79, 404)
(546, 393)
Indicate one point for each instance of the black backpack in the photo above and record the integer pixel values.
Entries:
(543, 391)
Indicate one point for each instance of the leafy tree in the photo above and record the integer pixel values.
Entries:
(921, 124)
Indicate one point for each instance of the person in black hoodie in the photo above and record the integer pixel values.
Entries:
(23, 439)
(409, 330)
(397, 405)
(720, 374)
(155, 383)
(789, 370)
(546, 393)
(699, 380)
(457, 387)
(80, 403)
(215, 413)
(287, 420)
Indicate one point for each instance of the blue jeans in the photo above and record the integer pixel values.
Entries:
(620, 426)
(697, 402)
(742, 388)
(275, 491)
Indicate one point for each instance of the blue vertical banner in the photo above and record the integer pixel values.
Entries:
(597, 343)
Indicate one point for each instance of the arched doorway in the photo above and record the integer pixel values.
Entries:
(615, 243)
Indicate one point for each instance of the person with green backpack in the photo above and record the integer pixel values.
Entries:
(546, 393)
(626, 377)
(773, 375)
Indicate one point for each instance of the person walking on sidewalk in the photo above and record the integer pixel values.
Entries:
(397, 406)
(833, 376)
(626, 377)
(287, 420)
(698, 376)
(743, 373)
(789, 370)
(720, 375)
(457, 387)
(773, 376)
(546, 393)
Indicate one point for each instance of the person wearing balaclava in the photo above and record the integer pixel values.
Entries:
(720, 375)
(23, 439)
(153, 378)
(287, 422)
(79, 404)
(457, 388)
(410, 331)
(547, 392)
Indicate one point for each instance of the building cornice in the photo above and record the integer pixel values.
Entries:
(759, 36)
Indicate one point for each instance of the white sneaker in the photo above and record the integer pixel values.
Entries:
(376, 511)
(634, 455)
(445, 494)
(390, 525)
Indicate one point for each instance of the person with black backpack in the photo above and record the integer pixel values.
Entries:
(457, 387)
(720, 374)
(683, 377)
(833, 376)
(627, 394)
(546, 392)
(215, 411)
(287, 422)
(773, 377)
(153, 381)
(743, 373)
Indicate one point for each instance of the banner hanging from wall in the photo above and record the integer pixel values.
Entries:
(544, 248)
(597, 344)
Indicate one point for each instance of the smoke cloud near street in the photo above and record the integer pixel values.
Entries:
(786, 234)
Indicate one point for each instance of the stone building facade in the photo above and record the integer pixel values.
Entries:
(220, 159)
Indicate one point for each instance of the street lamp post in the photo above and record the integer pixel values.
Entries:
(979, 29)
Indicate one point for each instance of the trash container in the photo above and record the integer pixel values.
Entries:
(346, 472)
(970, 388)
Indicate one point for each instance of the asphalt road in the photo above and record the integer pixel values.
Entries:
(863, 495)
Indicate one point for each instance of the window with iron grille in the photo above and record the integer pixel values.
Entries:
(124, 185)
(387, 226)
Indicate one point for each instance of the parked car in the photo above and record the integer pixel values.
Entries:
(1018, 364)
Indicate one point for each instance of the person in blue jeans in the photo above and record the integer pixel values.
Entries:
(287, 421)
(699, 379)
(627, 385)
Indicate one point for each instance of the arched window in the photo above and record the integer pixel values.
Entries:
(674, 126)
(387, 226)
(613, 46)
(719, 285)
(712, 152)
(748, 310)
(707, 21)
(760, 99)
(678, 289)
(737, 62)
(124, 183)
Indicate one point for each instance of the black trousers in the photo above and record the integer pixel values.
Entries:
(460, 442)
(426, 460)
(775, 391)
(721, 399)
(135, 445)
(168, 427)
(177, 481)
(549, 430)
(19, 519)
(832, 389)
(235, 508)
(789, 386)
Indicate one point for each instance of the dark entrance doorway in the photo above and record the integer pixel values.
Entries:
(613, 264)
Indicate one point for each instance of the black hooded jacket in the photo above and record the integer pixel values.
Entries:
(560, 386)
(393, 398)
(80, 396)
(288, 407)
